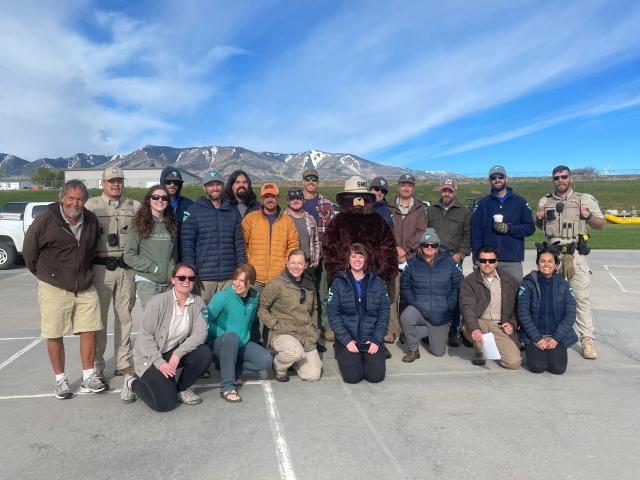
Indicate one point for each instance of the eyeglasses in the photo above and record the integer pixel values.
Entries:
(497, 176)
(173, 182)
(430, 245)
(164, 198)
(182, 278)
(487, 260)
(310, 178)
(558, 177)
(303, 296)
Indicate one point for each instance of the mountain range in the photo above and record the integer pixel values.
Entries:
(198, 160)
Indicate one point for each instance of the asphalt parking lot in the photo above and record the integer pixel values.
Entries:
(434, 418)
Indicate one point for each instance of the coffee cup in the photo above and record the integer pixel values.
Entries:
(498, 218)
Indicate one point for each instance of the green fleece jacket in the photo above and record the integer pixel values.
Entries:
(154, 257)
(229, 313)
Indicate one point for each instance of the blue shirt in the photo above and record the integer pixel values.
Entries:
(310, 206)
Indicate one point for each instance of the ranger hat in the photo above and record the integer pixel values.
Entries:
(295, 193)
(110, 173)
(174, 175)
(429, 236)
(449, 183)
(269, 188)
(381, 183)
(497, 169)
(310, 172)
(407, 178)
(212, 176)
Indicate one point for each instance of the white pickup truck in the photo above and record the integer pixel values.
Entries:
(15, 218)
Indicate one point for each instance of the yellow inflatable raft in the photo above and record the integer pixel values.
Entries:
(622, 220)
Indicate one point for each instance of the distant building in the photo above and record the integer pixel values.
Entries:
(134, 177)
(10, 184)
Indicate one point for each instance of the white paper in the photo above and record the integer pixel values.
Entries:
(489, 347)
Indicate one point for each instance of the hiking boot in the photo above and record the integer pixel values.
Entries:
(102, 378)
(189, 397)
(411, 356)
(589, 349)
(321, 348)
(454, 340)
(126, 395)
(281, 377)
(63, 391)
(92, 385)
(478, 359)
(124, 371)
(466, 342)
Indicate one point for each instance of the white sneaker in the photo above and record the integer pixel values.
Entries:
(63, 391)
(93, 384)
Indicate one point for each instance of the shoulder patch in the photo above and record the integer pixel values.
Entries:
(571, 292)
(528, 206)
(521, 290)
(185, 215)
(329, 296)
(549, 195)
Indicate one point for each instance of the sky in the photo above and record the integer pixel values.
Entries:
(458, 85)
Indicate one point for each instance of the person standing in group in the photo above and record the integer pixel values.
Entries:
(547, 312)
(212, 238)
(502, 219)
(429, 286)
(239, 193)
(151, 246)
(359, 317)
(58, 249)
(305, 225)
(321, 209)
(289, 310)
(488, 304)
(452, 222)
(171, 179)
(172, 336)
(409, 219)
(564, 216)
(113, 278)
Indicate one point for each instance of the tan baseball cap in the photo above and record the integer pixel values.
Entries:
(110, 173)
(449, 183)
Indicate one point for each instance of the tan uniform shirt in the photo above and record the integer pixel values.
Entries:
(114, 217)
(493, 313)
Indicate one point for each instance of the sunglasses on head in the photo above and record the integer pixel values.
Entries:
(497, 176)
(430, 245)
(164, 198)
(311, 178)
(173, 182)
(303, 296)
(487, 260)
(558, 177)
(182, 278)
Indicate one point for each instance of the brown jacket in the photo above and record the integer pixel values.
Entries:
(409, 229)
(475, 298)
(281, 311)
(53, 254)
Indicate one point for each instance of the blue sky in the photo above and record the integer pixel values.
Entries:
(456, 85)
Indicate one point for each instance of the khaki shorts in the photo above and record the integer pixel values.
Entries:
(63, 312)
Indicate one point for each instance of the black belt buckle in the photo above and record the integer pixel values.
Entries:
(111, 263)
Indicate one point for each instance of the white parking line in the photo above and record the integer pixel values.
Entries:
(282, 449)
(16, 355)
(41, 338)
(624, 290)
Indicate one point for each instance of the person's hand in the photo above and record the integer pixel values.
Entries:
(456, 257)
(167, 370)
(352, 346)
(540, 213)
(477, 336)
(584, 212)
(174, 361)
(542, 344)
(552, 343)
(501, 227)
(507, 328)
(373, 348)
(402, 254)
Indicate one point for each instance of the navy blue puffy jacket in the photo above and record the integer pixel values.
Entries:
(347, 323)
(212, 239)
(432, 290)
(533, 328)
(383, 210)
(517, 214)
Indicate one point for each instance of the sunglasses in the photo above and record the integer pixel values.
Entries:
(164, 198)
(377, 189)
(182, 278)
(497, 176)
(558, 177)
(310, 178)
(173, 182)
(487, 260)
(303, 296)
(430, 245)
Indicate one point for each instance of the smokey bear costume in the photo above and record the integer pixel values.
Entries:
(358, 223)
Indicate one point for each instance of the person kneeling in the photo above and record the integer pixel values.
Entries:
(172, 336)
(359, 316)
(231, 313)
(288, 308)
(547, 312)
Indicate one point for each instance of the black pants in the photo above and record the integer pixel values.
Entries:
(553, 360)
(160, 392)
(356, 366)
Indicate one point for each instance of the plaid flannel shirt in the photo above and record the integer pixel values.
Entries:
(314, 237)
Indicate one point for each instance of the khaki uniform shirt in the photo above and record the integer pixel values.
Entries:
(567, 224)
(114, 217)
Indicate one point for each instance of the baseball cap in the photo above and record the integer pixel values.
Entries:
(295, 192)
(497, 169)
(408, 178)
(429, 236)
(381, 183)
(110, 173)
(212, 176)
(310, 171)
(174, 175)
(269, 188)
(450, 183)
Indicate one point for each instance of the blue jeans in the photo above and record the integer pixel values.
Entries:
(236, 360)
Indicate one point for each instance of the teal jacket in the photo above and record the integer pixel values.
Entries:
(229, 313)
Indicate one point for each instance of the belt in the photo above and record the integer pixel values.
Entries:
(113, 262)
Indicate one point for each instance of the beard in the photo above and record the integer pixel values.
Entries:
(241, 194)
(500, 188)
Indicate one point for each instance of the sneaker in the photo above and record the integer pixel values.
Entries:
(92, 385)
(387, 353)
(589, 349)
(189, 397)
(126, 395)
(102, 378)
(454, 340)
(63, 391)
(411, 356)
(478, 359)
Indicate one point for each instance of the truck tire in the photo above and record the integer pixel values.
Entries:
(8, 255)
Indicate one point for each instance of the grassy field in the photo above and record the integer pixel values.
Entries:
(619, 194)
